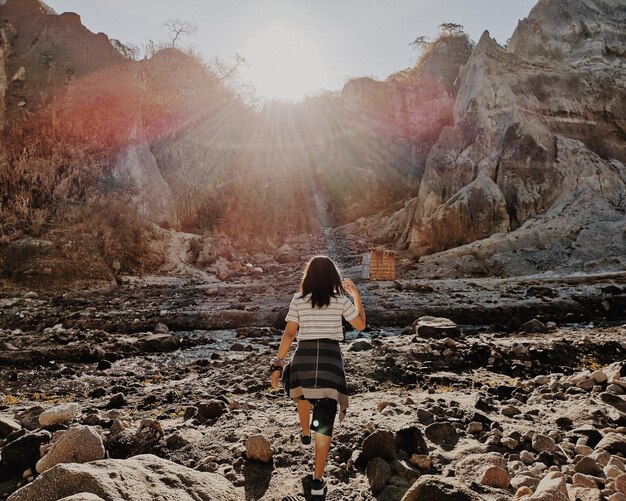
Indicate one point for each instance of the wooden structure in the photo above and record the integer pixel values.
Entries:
(382, 264)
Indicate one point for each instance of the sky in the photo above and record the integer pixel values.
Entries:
(298, 47)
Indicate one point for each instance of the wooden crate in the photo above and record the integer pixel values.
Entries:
(382, 264)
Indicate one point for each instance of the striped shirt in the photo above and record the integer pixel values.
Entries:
(320, 323)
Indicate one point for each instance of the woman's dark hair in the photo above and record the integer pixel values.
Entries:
(321, 279)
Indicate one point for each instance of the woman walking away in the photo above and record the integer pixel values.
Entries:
(316, 374)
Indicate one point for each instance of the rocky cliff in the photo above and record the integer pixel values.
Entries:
(495, 160)
(536, 154)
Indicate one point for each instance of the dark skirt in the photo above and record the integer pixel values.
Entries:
(316, 371)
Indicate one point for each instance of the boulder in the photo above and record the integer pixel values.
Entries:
(212, 409)
(8, 426)
(58, 414)
(534, 326)
(378, 474)
(184, 437)
(442, 433)
(494, 476)
(381, 443)
(23, 452)
(543, 443)
(469, 469)
(163, 342)
(435, 327)
(411, 441)
(552, 487)
(136, 479)
(432, 487)
(614, 443)
(361, 345)
(287, 254)
(79, 444)
(29, 418)
(259, 448)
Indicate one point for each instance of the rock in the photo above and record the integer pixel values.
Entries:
(564, 422)
(29, 418)
(7, 426)
(79, 444)
(599, 376)
(20, 76)
(212, 409)
(435, 327)
(527, 457)
(494, 476)
(588, 466)
(510, 411)
(592, 435)
(424, 416)
(474, 427)
(58, 414)
(287, 254)
(152, 478)
(618, 402)
(378, 474)
(537, 291)
(158, 343)
(161, 328)
(104, 365)
(582, 480)
(442, 433)
(184, 437)
(523, 493)
(259, 448)
(434, 487)
(410, 440)
(551, 488)
(422, 461)
(534, 326)
(522, 480)
(361, 345)
(117, 401)
(543, 443)
(509, 442)
(519, 349)
(381, 443)
(620, 483)
(23, 452)
(586, 494)
(454, 220)
(614, 443)
(470, 468)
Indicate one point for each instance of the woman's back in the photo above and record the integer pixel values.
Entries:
(320, 323)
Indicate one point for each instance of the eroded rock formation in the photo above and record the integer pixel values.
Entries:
(543, 122)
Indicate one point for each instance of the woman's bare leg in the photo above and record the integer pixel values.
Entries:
(304, 412)
(322, 448)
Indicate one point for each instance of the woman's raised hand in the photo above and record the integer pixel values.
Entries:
(349, 286)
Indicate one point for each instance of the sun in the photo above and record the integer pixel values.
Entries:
(284, 64)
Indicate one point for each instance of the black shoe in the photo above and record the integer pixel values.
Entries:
(318, 487)
(305, 439)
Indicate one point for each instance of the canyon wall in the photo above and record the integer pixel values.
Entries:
(536, 154)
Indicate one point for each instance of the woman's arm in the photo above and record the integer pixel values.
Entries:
(360, 321)
(289, 335)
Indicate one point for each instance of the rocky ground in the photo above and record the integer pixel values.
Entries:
(518, 394)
